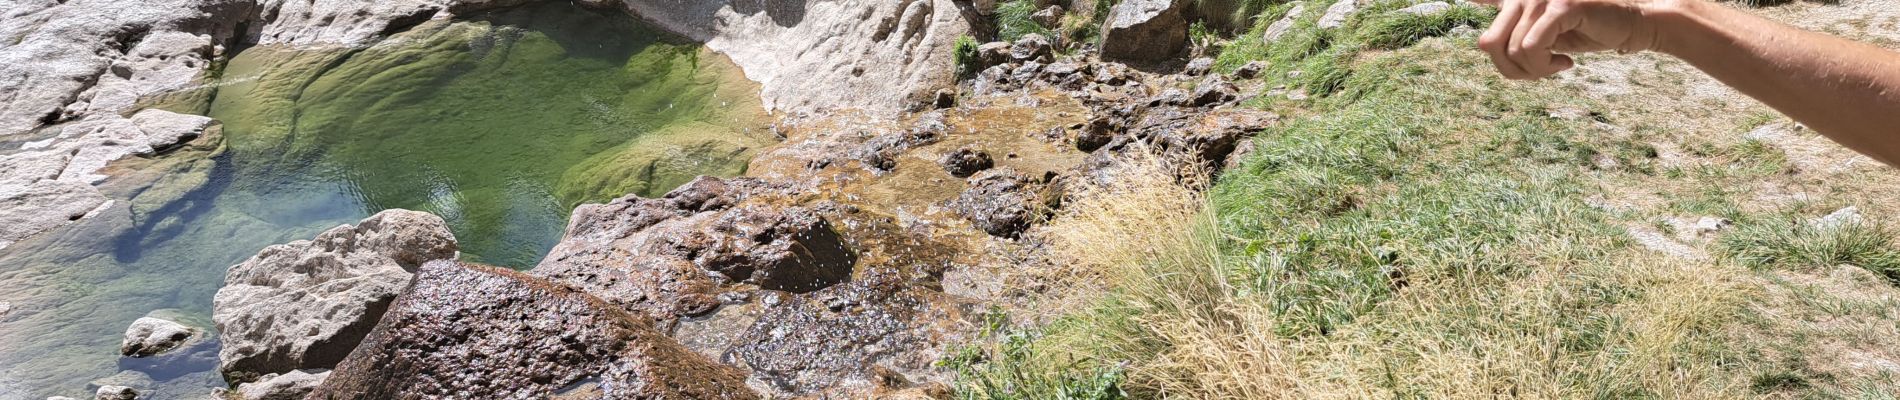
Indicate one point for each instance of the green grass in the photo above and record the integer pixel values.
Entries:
(965, 57)
(1422, 229)
(1006, 365)
(1325, 57)
(1013, 20)
(1391, 30)
(1786, 242)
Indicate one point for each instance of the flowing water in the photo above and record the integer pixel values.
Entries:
(500, 123)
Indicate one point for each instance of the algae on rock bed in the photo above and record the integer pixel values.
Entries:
(501, 124)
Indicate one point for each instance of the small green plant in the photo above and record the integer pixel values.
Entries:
(963, 53)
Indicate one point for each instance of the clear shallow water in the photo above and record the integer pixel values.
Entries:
(501, 124)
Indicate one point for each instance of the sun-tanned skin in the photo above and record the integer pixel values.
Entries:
(1847, 90)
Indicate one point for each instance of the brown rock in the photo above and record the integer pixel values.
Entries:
(1002, 202)
(470, 331)
(966, 161)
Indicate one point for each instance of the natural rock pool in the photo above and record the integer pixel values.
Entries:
(500, 123)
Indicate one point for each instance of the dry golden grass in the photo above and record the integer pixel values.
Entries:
(1197, 336)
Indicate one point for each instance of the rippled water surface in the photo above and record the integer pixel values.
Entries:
(500, 123)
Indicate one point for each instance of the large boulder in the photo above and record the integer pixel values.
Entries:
(150, 336)
(668, 257)
(1144, 30)
(881, 56)
(469, 331)
(305, 304)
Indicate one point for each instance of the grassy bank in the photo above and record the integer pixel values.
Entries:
(1421, 228)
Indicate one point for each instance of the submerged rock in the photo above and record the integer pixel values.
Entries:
(483, 332)
(306, 304)
(151, 336)
(1144, 30)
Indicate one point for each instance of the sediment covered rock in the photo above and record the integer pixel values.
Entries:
(483, 332)
(305, 304)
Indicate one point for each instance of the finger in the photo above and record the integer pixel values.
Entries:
(1558, 18)
(1534, 60)
(1496, 40)
(1562, 63)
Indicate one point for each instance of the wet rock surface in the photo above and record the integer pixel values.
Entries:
(482, 332)
(306, 304)
(967, 161)
(847, 333)
(1003, 202)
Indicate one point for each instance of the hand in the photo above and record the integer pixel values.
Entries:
(1530, 38)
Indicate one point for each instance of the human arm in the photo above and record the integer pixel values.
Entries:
(1847, 90)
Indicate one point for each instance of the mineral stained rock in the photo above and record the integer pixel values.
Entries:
(469, 331)
(305, 304)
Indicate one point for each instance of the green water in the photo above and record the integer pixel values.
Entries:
(500, 123)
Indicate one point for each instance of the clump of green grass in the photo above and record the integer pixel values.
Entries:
(1007, 365)
(1013, 20)
(1783, 242)
(963, 53)
(1391, 30)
